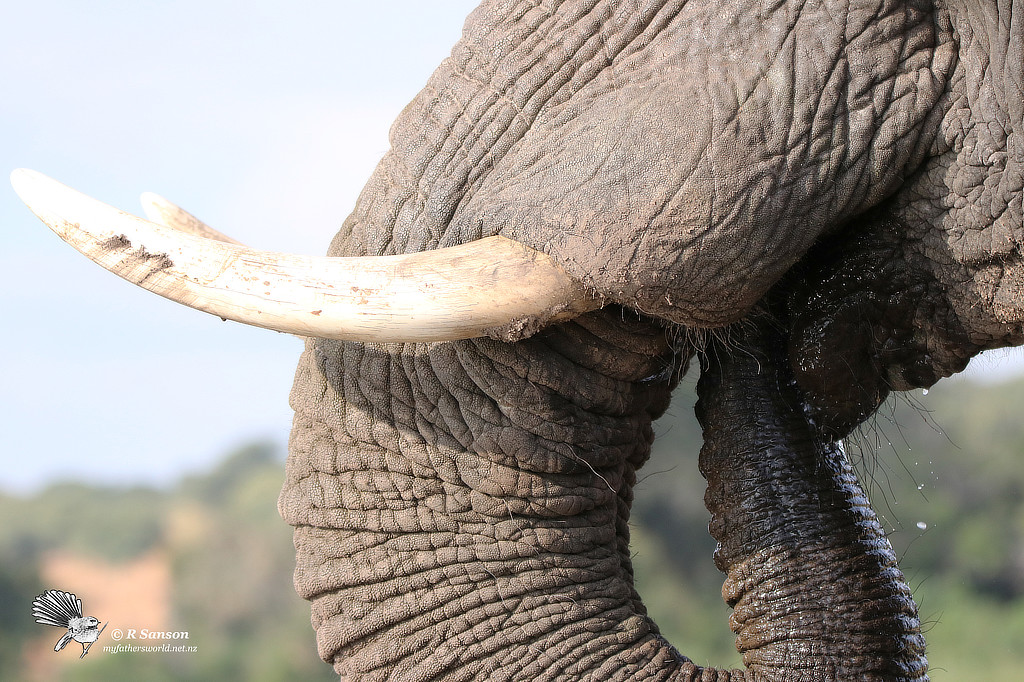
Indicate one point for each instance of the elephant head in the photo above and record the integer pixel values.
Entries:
(821, 200)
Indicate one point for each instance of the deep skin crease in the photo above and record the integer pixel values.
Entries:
(461, 509)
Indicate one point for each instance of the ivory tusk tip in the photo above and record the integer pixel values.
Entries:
(36, 190)
(152, 200)
(147, 198)
(164, 212)
(155, 206)
(20, 173)
(24, 180)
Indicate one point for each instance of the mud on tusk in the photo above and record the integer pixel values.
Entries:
(491, 287)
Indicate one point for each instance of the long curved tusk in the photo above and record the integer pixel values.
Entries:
(163, 212)
(490, 287)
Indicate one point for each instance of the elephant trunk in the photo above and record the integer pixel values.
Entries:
(462, 512)
(810, 575)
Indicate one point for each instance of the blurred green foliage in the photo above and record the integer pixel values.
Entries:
(231, 570)
(944, 471)
(18, 578)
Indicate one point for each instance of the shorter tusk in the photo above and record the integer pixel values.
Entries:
(490, 287)
(163, 212)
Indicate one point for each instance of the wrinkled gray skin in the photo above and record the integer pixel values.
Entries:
(854, 168)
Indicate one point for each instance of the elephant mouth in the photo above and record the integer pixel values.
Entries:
(865, 318)
(492, 287)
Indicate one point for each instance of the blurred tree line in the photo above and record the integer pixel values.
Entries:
(943, 470)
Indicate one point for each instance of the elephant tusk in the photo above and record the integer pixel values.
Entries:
(491, 287)
(163, 212)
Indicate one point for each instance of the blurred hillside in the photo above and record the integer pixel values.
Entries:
(211, 556)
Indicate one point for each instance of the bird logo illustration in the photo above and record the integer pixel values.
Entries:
(64, 610)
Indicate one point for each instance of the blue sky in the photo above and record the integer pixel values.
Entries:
(262, 118)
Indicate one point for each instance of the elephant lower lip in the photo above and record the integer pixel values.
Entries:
(868, 317)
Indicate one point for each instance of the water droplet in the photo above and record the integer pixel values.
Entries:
(924, 391)
(922, 525)
(920, 487)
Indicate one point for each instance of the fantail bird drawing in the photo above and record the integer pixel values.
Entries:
(64, 609)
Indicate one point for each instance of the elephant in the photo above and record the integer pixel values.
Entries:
(819, 202)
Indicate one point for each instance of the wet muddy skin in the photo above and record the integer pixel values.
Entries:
(810, 574)
(866, 317)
